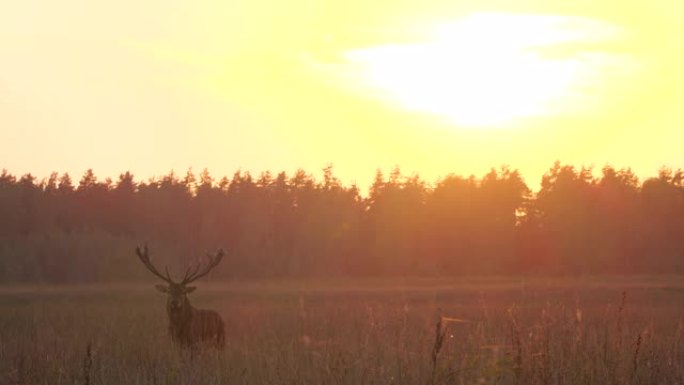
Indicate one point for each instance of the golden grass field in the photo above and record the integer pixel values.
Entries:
(610, 330)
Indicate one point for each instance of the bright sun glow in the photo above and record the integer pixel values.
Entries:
(492, 70)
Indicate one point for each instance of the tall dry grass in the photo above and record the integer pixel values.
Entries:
(349, 333)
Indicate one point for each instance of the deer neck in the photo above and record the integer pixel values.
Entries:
(180, 317)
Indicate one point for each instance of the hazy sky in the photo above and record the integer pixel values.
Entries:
(430, 86)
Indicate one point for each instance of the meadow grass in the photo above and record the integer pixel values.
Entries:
(608, 330)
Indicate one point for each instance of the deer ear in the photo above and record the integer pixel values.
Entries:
(162, 288)
(190, 289)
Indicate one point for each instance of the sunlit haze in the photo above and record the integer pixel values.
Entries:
(489, 70)
(432, 87)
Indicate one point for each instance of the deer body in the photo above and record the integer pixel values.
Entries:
(188, 326)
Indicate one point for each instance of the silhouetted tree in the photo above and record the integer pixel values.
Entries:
(564, 212)
(395, 222)
(662, 221)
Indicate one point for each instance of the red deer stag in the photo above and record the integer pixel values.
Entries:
(188, 326)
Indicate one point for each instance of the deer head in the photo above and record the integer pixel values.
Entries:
(177, 291)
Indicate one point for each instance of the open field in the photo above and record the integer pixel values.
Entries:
(496, 331)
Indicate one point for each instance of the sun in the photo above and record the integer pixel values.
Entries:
(491, 70)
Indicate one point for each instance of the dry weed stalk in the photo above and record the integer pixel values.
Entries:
(516, 342)
(619, 321)
(21, 370)
(545, 370)
(635, 358)
(614, 366)
(440, 333)
(87, 364)
(679, 336)
(578, 326)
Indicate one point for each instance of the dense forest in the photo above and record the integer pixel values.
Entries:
(59, 230)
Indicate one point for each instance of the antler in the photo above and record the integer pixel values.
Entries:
(196, 274)
(145, 259)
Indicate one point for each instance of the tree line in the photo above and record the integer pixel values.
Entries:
(57, 230)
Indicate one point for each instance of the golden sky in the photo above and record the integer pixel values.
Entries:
(431, 86)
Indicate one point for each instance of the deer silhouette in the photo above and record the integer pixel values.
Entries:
(188, 326)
